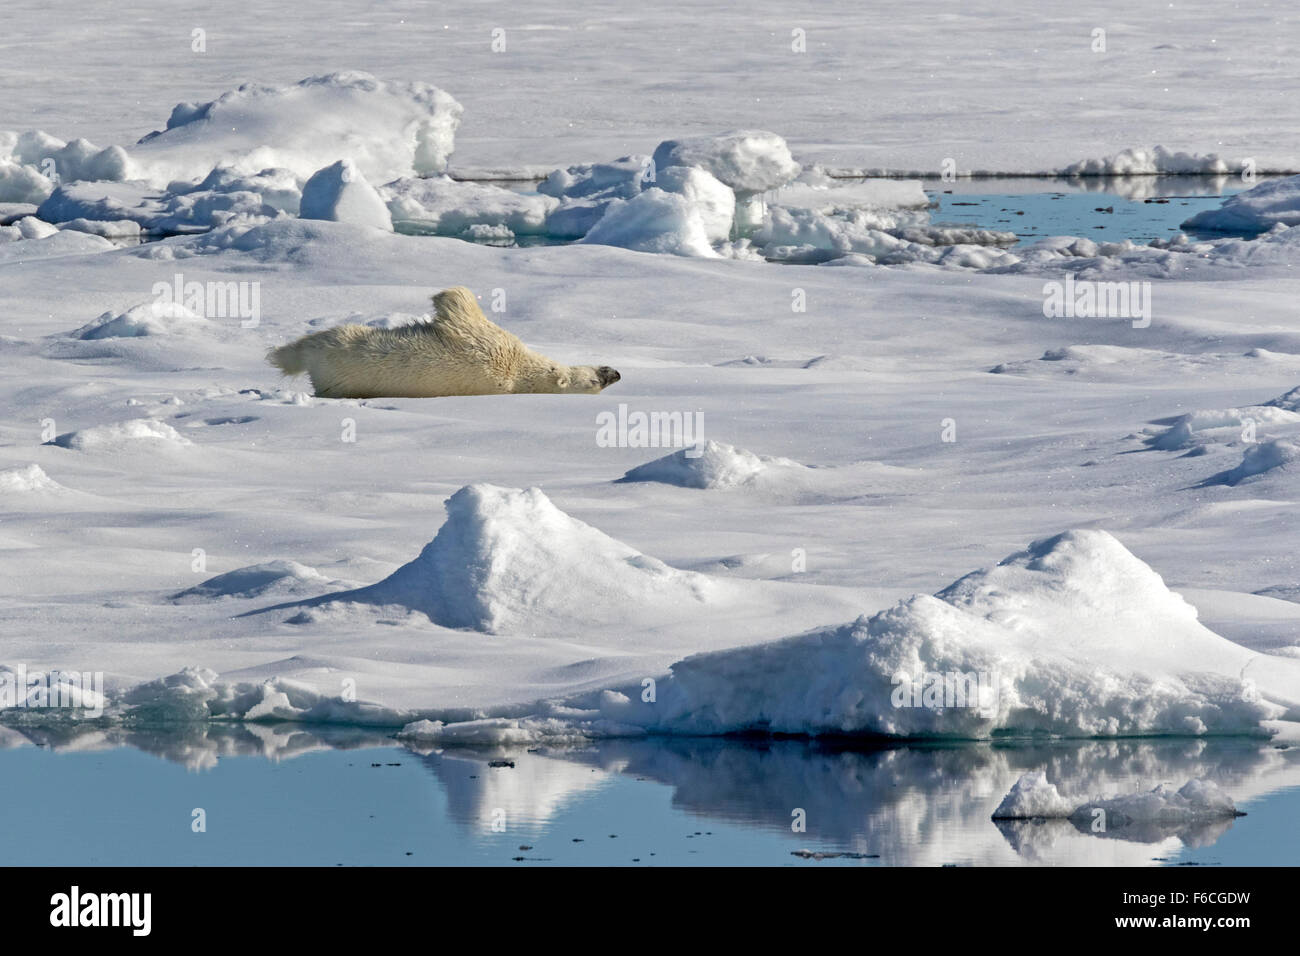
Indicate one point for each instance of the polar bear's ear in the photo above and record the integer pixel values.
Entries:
(561, 379)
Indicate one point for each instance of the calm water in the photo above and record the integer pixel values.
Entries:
(286, 794)
(1104, 210)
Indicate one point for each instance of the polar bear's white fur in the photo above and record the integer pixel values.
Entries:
(459, 352)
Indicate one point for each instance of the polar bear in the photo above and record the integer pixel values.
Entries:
(459, 352)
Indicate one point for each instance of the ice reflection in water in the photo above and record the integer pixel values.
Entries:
(910, 805)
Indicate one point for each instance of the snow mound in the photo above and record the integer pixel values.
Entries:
(1223, 425)
(716, 465)
(1074, 637)
(749, 161)
(1141, 161)
(110, 229)
(23, 184)
(195, 694)
(339, 193)
(508, 560)
(35, 160)
(1032, 796)
(1258, 209)
(270, 577)
(654, 221)
(1260, 459)
(446, 207)
(31, 478)
(1197, 800)
(149, 318)
(387, 129)
(29, 227)
(134, 433)
(1288, 402)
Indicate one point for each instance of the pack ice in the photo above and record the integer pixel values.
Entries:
(1074, 636)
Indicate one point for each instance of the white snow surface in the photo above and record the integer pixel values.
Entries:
(581, 84)
(222, 544)
(386, 129)
(1258, 209)
(169, 443)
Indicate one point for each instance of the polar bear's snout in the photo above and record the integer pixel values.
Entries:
(608, 376)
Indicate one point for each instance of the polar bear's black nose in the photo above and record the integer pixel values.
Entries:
(607, 376)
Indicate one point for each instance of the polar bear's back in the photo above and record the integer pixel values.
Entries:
(357, 361)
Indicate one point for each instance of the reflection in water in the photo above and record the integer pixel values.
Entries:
(908, 804)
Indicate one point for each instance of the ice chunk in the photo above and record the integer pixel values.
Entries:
(655, 221)
(1032, 796)
(1074, 636)
(447, 207)
(749, 161)
(714, 201)
(1258, 209)
(386, 129)
(339, 193)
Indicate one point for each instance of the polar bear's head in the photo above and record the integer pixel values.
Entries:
(584, 379)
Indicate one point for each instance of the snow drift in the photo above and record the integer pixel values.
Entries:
(1074, 636)
(508, 560)
(715, 465)
(1256, 210)
(388, 129)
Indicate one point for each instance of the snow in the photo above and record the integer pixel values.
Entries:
(1260, 459)
(1258, 209)
(445, 207)
(509, 560)
(711, 199)
(749, 161)
(385, 129)
(1033, 796)
(1074, 637)
(715, 465)
(149, 318)
(125, 436)
(1140, 161)
(24, 480)
(339, 193)
(244, 549)
(653, 221)
(278, 578)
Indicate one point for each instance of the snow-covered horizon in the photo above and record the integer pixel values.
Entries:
(875, 87)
